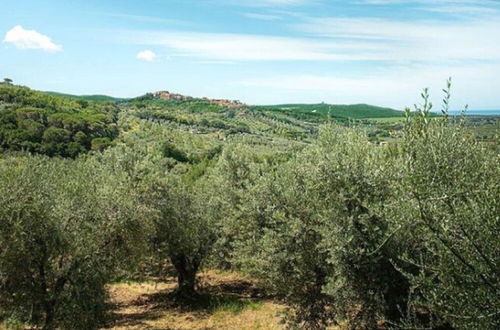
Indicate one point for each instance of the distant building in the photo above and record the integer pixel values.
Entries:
(166, 95)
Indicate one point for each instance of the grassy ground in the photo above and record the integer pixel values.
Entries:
(227, 301)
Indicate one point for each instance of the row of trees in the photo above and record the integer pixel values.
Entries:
(352, 234)
(346, 232)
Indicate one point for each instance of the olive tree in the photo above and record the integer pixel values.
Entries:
(185, 229)
(65, 226)
(235, 177)
(312, 230)
(451, 206)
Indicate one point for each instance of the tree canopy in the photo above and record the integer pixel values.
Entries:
(345, 231)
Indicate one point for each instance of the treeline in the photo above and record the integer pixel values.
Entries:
(205, 116)
(345, 232)
(40, 123)
(230, 126)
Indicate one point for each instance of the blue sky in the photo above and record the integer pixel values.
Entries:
(380, 52)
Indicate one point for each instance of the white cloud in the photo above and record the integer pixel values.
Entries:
(474, 37)
(146, 55)
(422, 40)
(342, 39)
(30, 39)
(246, 47)
(263, 17)
(463, 10)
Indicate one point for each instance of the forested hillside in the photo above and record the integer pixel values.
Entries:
(56, 126)
(357, 111)
(97, 98)
(301, 200)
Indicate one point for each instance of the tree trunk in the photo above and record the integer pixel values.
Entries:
(186, 280)
(186, 276)
(48, 304)
(49, 318)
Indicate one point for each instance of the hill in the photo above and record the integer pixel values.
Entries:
(93, 98)
(67, 125)
(356, 111)
(52, 124)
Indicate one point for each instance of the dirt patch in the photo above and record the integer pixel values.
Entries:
(226, 301)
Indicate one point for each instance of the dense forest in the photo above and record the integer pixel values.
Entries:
(55, 126)
(349, 221)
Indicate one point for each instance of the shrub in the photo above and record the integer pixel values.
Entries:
(65, 227)
(451, 184)
(184, 223)
(56, 135)
(100, 144)
(171, 151)
(313, 230)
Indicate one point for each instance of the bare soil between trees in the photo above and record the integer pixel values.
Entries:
(226, 301)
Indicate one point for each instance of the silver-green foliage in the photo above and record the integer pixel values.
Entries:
(351, 233)
(450, 212)
(310, 229)
(185, 228)
(65, 226)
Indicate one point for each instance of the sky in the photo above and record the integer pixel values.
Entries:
(381, 52)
